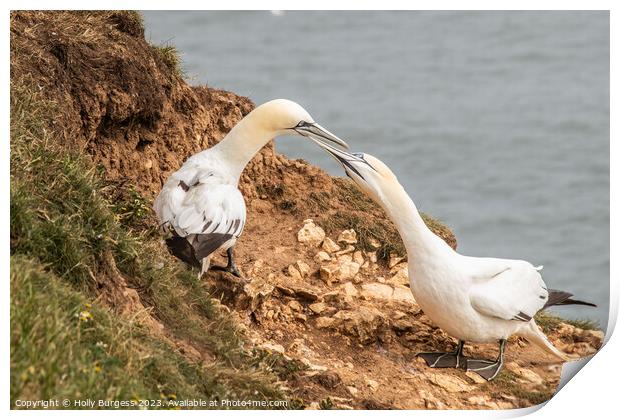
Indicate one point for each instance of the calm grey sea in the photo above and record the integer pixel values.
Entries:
(495, 122)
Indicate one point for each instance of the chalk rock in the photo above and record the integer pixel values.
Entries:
(294, 272)
(400, 278)
(324, 322)
(349, 289)
(403, 294)
(377, 291)
(348, 250)
(450, 383)
(527, 374)
(372, 384)
(348, 236)
(358, 257)
(310, 234)
(475, 377)
(348, 270)
(330, 246)
(318, 307)
(295, 306)
(303, 268)
(257, 291)
(328, 273)
(299, 290)
(364, 323)
(344, 258)
(322, 256)
(394, 259)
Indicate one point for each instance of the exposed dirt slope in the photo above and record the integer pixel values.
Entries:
(356, 328)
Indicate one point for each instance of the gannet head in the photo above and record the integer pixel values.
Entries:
(284, 117)
(371, 175)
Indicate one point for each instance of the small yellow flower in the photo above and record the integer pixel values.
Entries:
(97, 369)
(85, 316)
(172, 396)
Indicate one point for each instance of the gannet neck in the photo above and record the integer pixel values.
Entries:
(242, 143)
(416, 236)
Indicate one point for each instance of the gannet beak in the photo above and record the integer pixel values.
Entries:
(316, 132)
(353, 163)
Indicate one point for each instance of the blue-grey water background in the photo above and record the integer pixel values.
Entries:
(495, 122)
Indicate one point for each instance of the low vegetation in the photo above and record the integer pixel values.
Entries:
(68, 240)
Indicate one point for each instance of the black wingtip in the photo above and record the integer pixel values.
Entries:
(558, 297)
(578, 302)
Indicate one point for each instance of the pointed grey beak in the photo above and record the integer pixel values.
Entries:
(316, 132)
(349, 161)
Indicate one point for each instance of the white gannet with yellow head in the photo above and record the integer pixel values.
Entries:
(473, 299)
(201, 206)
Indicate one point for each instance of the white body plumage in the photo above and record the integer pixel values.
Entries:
(473, 299)
(202, 198)
(201, 206)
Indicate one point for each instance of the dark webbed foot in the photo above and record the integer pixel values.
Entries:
(454, 359)
(231, 267)
(488, 369)
(443, 360)
(232, 270)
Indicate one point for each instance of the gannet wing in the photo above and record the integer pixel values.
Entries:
(202, 207)
(515, 292)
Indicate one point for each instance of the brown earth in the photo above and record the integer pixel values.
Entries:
(124, 103)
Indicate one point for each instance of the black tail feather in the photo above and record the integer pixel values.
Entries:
(183, 250)
(558, 297)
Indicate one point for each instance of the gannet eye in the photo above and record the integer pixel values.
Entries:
(301, 124)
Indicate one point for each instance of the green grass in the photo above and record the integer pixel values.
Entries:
(549, 322)
(378, 227)
(75, 242)
(170, 56)
(506, 383)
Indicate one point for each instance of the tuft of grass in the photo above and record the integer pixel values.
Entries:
(129, 21)
(348, 192)
(170, 56)
(549, 322)
(283, 367)
(277, 193)
(367, 229)
(506, 382)
(378, 227)
(71, 247)
(326, 404)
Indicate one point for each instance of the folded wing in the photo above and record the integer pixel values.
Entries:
(512, 291)
(205, 209)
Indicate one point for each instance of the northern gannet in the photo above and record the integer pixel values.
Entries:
(473, 299)
(201, 206)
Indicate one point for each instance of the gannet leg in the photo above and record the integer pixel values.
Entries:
(488, 369)
(231, 267)
(454, 359)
